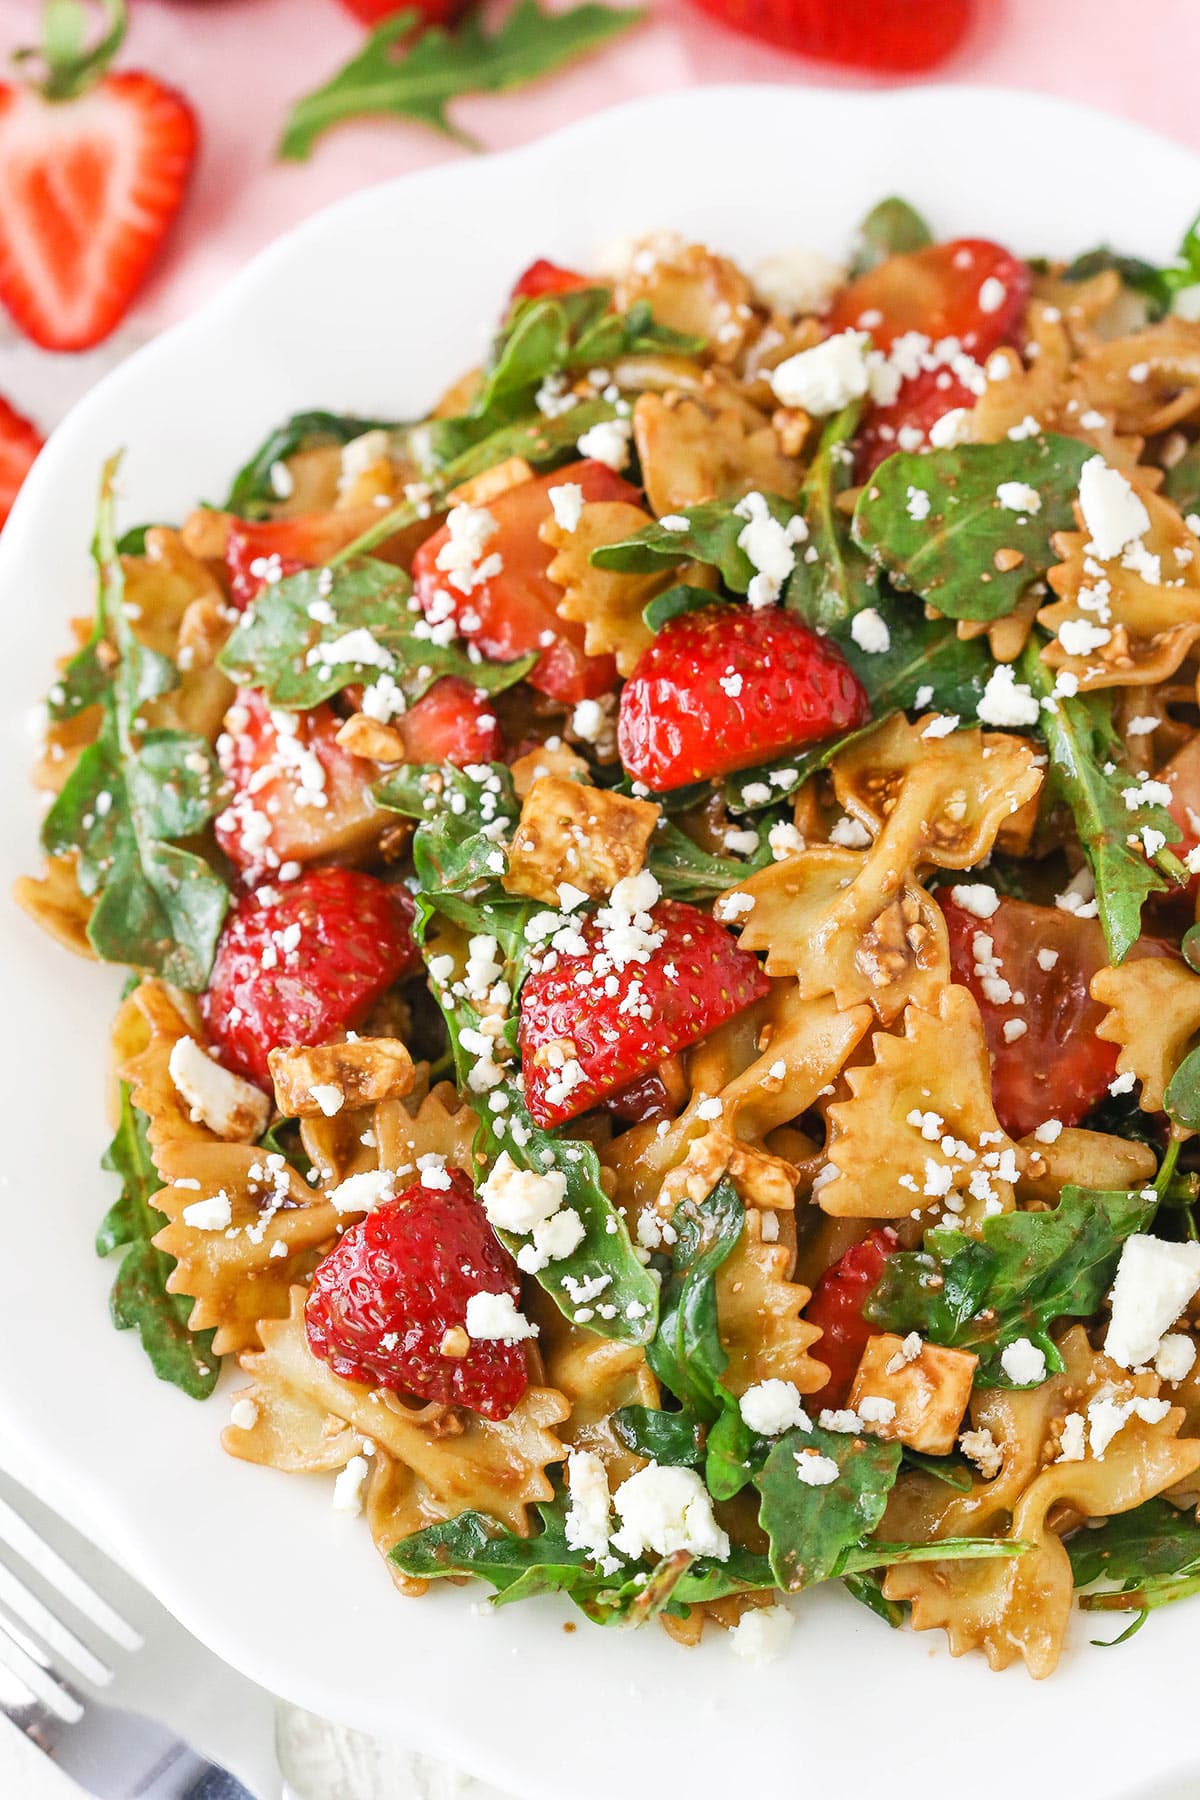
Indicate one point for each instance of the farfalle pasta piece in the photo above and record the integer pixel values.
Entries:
(243, 1227)
(606, 603)
(869, 776)
(178, 609)
(1019, 1606)
(857, 923)
(691, 289)
(1149, 381)
(1154, 1015)
(805, 1046)
(458, 1460)
(391, 1135)
(717, 447)
(1128, 621)
(53, 901)
(919, 1129)
(597, 1376)
(322, 1080)
(1087, 1159)
(760, 1314)
(154, 1018)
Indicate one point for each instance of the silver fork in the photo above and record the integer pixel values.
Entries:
(49, 1671)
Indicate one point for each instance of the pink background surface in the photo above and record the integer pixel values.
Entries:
(242, 62)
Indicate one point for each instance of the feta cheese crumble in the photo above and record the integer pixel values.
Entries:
(1155, 1280)
(663, 1510)
(773, 1406)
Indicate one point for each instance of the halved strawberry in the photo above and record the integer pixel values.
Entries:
(646, 984)
(93, 167)
(455, 723)
(725, 688)
(512, 607)
(390, 1303)
(431, 12)
(970, 289)
(543, 277)
(906, 423)
(837, 1307)
(20, 442)
(258, 553)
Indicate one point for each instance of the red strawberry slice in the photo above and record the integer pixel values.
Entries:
(513, 608)
(906, 423)
(388, 1306)
(898, 36)
(93, 168)
(306, 966)
(543, 277)
(970, 289)
(20, 442)
(645, 985)
(432, 12)
(267, 552)
(455, 723)
(725, 688)
(837, 1307)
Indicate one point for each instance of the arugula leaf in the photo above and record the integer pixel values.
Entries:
(672, 1438)
(954, 555)
(1152, 1553)
(1086, 773)
(892, 228)
(838, 581)
(687, 1354)
(711, 537)
(558, 333)
(139, 1297)
(602, 1282)
(419, 81)
(132, 791)
(1157, 286)
(252, 493)
(677, 600)
(277, 643)
(867, 1589)
(811, 1530)
(1182, 1097)
(1023, 1273)
(685, 872)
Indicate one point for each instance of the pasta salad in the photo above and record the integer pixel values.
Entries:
(664, 1020)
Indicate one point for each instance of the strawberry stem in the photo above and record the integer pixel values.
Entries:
(69, 63)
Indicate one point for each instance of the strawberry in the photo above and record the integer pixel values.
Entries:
(726, 687)
(19, 445)
(93, 168)
(905, 424)
(432, 12)
(896, 36)
(644, 985)
(384, 1300)
(455, 723)
(297, 794)
(543, 277)
(837, 1307)
(304, 965)
(258, 553)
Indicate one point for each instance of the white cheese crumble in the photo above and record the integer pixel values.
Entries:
(773, 1406)
(566, 500)
(1023, 1363)
(768, 546)
(1176, 1354)
(917, 504)
(347, 1489)
(975, 897)
(1007, 701)
(328, 1096)
(1113, 514)
(212, 1214)
(495, 1316)
(663, 1510)
(363, 1193)
(608, 442)
(217, 1098)
(519, 1199)
(588, 1519)
(761, 1634)
(1155, 1280)
(981, 1448)
(797, 281)
(827, 377)
(814, 1470)
(1019, 497)
(870, 632)
(243, 1415)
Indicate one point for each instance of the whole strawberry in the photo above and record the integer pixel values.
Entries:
(303, 964)
(389, 1305)
(20, 444)
(93, 167)
(648, 981)
(898, 36)
(725, 688)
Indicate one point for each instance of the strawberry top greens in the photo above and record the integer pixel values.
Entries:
(665, 1017)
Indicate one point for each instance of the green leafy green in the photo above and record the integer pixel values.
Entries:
(811, 1530)
(948, 553)
(867, 1589)
(676, 601)
(1157, 286)
(280, 646)
(687, 1354)
(685, 872)
(252, 491)
(711, 537)
(1182, 1097)
(602, 1282)
(1023, 1273)
(1152, 1553)
(1086, 773)
(892, 228)
(412, 77)
(832, 579)
(672, 1438)
(139, 1297)
(131, 794)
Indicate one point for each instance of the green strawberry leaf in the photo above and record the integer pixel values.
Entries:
(1023, 1273)
(813, 1530)
(1086, 773)
(892, 228)
(252, 493)
(140, 1300)
(936, 523)
(402, 76)
(711, 537)
(278, 645)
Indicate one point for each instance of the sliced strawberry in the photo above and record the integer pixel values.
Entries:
(258, 553)
(906, 423)
(645, 985)
(432, 12)
(726, 687)
(837, 1307)
(306, 966)
(513, 609)
(970, 289)
(455, 723)
(297, 794)
(898, 36)
(93, 168)
(388, 1306)
(20, 443)
(542, 277)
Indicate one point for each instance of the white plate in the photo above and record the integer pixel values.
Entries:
(370, 307)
